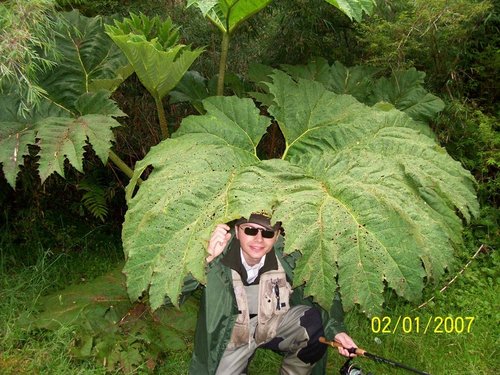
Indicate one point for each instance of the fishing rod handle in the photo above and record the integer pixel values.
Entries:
(335, 344)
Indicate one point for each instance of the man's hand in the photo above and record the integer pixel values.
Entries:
(218, 241)
(346, 341)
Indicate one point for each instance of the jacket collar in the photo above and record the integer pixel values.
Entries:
(232, 259)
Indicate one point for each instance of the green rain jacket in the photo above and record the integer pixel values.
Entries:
(215, 325)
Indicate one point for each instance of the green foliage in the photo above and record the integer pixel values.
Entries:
(365, 195)
(473, 137)
(165, 34)
(455, 42)
(480, 64)
(402, 89)
(473, 294)
(292, 32)
(480, 277)
(122, 336)
(70, 115)
(193, 88)
(431, 35)
(23, 281)
(158, 70)
(92, 8)
(60, 139)
(405, 90)
(228, 15)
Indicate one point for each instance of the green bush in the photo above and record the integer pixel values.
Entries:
(450, 40)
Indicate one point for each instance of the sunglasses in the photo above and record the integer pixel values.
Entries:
(251, 231)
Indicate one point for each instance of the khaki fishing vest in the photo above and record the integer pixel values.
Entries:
(272, 296)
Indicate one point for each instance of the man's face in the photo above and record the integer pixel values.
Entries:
(254, 247)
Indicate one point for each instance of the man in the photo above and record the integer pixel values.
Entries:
(247, 304)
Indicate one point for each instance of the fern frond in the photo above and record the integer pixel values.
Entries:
(94, 199)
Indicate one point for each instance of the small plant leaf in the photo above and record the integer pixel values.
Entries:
(192, 88)
(354, 8)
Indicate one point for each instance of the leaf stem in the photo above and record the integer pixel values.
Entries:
(222, 63)
(122, 165)
(162, 118)
(285, 152)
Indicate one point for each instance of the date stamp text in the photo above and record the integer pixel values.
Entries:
(431, 324)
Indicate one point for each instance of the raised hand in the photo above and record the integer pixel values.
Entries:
(218, 241)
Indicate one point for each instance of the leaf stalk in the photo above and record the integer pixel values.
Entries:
(222, 63)
(162, 118)
(122, 165)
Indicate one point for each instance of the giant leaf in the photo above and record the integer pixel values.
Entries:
(404, 89)
(159, 71)
(63, 139)
(70, 115)
(366, 196)
(227, 15)
(87, 55)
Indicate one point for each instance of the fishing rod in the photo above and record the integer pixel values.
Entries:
(376, 358)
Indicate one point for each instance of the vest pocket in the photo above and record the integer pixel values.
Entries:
(275, 299)
(240, 334)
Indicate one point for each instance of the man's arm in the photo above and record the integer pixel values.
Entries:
(336, 327)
